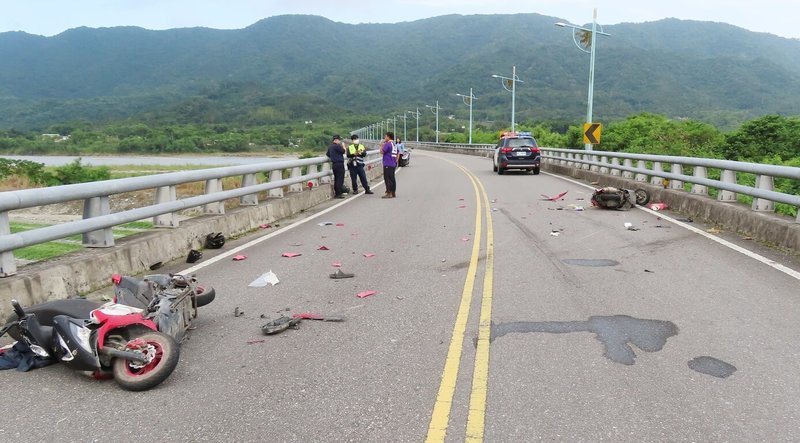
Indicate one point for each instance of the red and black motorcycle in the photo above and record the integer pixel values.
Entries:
(135, 337)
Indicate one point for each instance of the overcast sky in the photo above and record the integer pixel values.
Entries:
(50, 17)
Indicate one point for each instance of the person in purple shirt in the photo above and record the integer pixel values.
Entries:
(389, 151)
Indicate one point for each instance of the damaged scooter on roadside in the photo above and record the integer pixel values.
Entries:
(616, 198)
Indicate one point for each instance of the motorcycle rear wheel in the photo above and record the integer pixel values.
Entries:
(205, 295)
(163, 353)
(642, 197)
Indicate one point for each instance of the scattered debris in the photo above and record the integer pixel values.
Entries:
(299, 244)
(237, 312)
(662, 226)
(336, 264)
(494, 209)
(369, 254)
(364, 294)
(309, 316)
(239, 257)
(594, 183)
(713, 230)
(462, 206)
(552, 199)
(156, 265)
(105, 298)
(265, 226)
(264, 279)
(280, 324)
(647, 270)
(685, 220)
(579, 208)
(291, 254)
(323, 248)
(194, 256)
(461, 199)
(341, 274)
(339, 225)
(215, 240)
(747, 238)
(325, 223)
(494, 200)
(555, 233)
(629, 226)
(658, 206)
(252, 342)
(465, 238)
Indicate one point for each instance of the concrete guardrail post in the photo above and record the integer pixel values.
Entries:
(213, 186)
(570, 158)
(614, 171)
(8, 266)
(727, 176)
(628, 163)
(101, 238)
(604, 169)
(586, 160)
(677, 169)
(249, 199)
(594, 168)
(312, 169)
(326, 167)
(166, 194)
(655, 179)
(563, 159)
(641, 177)
(276, 175)
(296, 173)
(764, 182)
(699, 172)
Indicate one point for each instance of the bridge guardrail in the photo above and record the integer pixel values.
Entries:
(95, 227)
(621, 164)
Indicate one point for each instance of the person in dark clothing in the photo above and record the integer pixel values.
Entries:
(389, 152)
(336, 153)
(355, 164)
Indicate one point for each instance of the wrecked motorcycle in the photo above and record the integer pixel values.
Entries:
(617, 198)
(113, 338)
(169, 300)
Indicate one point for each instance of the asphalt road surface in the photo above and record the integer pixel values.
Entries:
(498, 316)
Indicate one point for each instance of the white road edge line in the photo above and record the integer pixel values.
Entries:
(785, 269)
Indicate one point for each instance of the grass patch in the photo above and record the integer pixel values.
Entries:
(45, 250)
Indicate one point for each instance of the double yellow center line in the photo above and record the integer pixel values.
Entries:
(437, 430)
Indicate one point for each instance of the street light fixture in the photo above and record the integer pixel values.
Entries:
(587, 34)
(435, 109)
(468, 101)
(513, 80)
(416, 114)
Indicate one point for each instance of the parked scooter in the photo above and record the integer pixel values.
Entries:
(616, 198)
(113, 338)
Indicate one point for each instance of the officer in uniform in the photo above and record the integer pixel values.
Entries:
(355, 164)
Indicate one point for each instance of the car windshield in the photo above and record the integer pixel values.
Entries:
(521, 142)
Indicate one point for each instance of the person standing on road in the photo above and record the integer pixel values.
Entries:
(401, 149)
(355, 164)
(389, 151)
(336, 153)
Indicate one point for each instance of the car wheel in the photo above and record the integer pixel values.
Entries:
(500, 170)
(494, 167)
(535, 171)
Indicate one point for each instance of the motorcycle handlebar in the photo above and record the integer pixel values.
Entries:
(18, 309)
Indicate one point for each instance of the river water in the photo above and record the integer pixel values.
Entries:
(61, 160)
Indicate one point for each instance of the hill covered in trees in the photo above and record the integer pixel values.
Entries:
(290, 69)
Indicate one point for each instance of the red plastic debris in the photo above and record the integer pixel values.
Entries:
(323, 248)
(336, 264)
(264, 226)
(552, 199)
(364, 294)
(239, 257)
(340, 224)
(291, 254)
(465, 238)
(369, 254)
(462, 206)
(310, 184)
(658, 206)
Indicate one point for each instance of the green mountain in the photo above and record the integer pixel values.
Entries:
(298, 67)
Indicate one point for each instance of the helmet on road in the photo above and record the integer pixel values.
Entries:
(215, 240)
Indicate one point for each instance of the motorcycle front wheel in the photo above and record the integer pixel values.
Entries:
(642, 197)
(162, 353)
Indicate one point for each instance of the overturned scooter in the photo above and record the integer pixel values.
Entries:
(113, 338)
(617, 198)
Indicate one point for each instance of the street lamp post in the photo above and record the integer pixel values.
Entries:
(416, 114)
(435, 109)
(404, 124)
(394, 124)
(593, 33)
(513, 80)
(468, 101)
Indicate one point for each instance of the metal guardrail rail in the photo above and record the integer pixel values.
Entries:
(98, 220)
(650, 168)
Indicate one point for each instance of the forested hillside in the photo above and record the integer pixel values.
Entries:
(287, 69)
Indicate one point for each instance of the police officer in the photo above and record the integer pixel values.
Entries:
(355, 164)
(336, 153)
